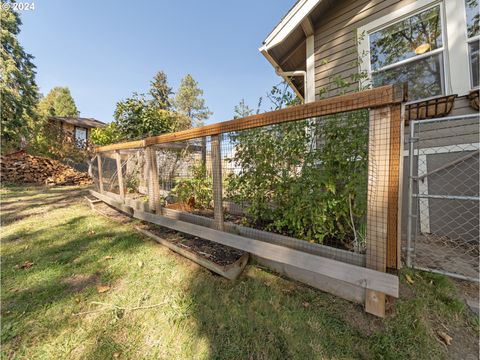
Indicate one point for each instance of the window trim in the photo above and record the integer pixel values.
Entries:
(455, 52)
(75, 136)
(469, 40)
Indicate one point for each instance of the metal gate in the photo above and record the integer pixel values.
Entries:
(443, 196)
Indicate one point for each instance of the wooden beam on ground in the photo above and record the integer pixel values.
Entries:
(100, 173)
(356, 275)
(115, 203)
(373, 98)
(217, 181)
(377, 201)
(120, 175)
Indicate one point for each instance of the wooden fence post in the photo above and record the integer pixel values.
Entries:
(121, 187)
(377, 202)
(217, 181)
(100, 175)
(153, 184)
(204, 155)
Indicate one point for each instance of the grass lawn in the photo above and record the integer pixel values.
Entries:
(57, 254)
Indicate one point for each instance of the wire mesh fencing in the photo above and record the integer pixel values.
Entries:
(443, 234)
(320, 178)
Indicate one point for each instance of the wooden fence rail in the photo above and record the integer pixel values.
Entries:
(384, 173)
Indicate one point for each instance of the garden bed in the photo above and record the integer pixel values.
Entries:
(223, 260)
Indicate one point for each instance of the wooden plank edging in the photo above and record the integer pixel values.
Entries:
(231, 271)
(360, 276)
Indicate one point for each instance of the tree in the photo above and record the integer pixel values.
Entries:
(136, 117)
(189, 101)
(110, 134)
(241, 110)
(160, 91)
(18, 90)
(58, 102)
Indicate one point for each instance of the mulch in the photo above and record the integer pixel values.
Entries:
(219, 254)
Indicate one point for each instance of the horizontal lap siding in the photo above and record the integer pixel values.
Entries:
(335, 45)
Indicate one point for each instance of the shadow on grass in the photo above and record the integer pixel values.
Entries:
(13, 211)
(54, 261)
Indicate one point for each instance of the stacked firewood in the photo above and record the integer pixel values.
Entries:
(20, 167)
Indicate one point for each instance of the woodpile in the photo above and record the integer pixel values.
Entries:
(20, 167)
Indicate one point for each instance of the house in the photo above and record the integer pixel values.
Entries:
(431, 45)
(323, 48)
(76, 129)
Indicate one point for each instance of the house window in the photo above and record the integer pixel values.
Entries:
(473, 38)
(410, 50)
(80, 137)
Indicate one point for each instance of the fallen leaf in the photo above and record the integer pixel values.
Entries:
(140, 264)
(409, 279)
(116, 355)
(102, 288)
(108, 257)
(447, 339)
(26, 265)
(306, 304)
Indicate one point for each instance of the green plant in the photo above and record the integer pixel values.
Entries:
(306, 179)
(195, 190)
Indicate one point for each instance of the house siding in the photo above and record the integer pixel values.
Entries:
(336, 51)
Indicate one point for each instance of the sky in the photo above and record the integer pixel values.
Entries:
(106, 50)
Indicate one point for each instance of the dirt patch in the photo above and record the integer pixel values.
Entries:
(217, 253)
(79, 282)
(212, 251)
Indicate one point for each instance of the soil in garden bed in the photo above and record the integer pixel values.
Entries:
(219, 254)
(344, 244)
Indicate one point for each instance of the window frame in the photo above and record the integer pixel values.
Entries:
(470, 40)
(454, 43)
(77, 142)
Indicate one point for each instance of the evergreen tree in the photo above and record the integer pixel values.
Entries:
(160, 91)
(18, 90)
(189, 101)
(58, 102)
(241, 110)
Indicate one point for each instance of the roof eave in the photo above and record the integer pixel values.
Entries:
(278, 68)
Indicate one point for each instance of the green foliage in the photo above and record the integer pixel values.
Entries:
(136, 117)
(160, 91)
(110, 134)
(144, 115)
(18, 90)
(305, 180)
(242, 110)
(195, 190)
(189, 101)
(58, 102)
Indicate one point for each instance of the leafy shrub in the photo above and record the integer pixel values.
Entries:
(307, 179)
(196, 190)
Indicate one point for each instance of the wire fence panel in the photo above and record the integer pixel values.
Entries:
(321, 178)
(444, 191)
(289, 177)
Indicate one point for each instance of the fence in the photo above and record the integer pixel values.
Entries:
(443, 208)
(310, 190)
